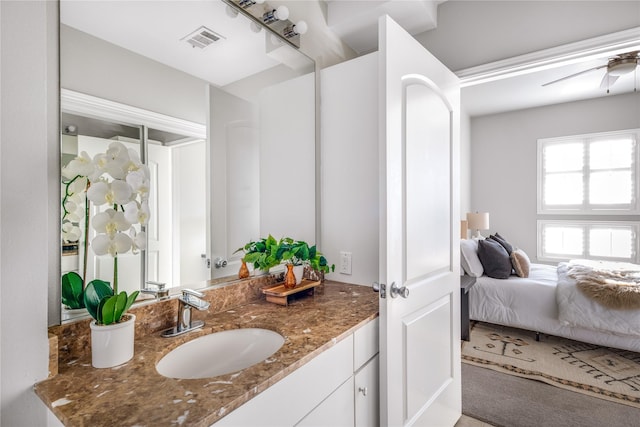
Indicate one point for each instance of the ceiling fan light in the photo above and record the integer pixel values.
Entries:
(622, 67)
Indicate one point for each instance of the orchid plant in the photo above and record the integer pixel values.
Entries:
(117, 183)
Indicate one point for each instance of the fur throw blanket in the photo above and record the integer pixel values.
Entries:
(614, 285)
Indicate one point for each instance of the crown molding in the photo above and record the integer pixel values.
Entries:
(610, 44)
(91, 106)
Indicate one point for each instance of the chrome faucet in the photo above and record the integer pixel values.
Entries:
(189, 299)
(160, 292)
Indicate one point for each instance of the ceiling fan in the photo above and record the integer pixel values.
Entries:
(617, 66)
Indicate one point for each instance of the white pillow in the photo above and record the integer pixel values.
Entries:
(469, 258)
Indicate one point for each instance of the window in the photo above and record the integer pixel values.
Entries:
(589, 174)
(608, 240)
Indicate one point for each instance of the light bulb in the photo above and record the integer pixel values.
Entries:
(301, 27)
(282, 13)
(259, 1)
(295, 29)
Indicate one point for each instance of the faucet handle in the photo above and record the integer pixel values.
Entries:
(160, 292)
(187, 292)
(192, 298)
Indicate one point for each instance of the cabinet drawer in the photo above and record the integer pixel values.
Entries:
(365, 343)
(367, 395)
(335, 411)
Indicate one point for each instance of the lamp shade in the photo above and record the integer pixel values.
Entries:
(478, 220)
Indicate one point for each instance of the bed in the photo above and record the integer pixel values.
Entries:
(546, 302)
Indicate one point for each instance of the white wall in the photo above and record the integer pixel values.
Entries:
(349, 167)
(503, 157)
(29, 192)
(287, 159)
(92, 66)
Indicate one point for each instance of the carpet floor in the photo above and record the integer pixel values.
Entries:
(602, 372)
(504, 400)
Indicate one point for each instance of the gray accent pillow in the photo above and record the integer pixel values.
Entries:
(494, 258)
(498, 238)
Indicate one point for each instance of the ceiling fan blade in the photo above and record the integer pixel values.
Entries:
(574, 75)
(608, 81)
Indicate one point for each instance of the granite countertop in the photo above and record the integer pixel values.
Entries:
(134, 394)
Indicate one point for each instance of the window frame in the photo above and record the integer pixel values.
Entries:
(586, 225)
(586, 208)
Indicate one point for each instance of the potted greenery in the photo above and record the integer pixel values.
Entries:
(263, 254)
(72, 295)
(299, 254)
(112, 330)
(118, 185)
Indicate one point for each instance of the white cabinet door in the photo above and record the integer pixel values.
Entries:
(420, 325)
(367, 396)
(289, 400)
(335, 411)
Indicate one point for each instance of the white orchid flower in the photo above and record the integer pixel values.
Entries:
(102, 244)
(81, 165)
(73, 211)
(139, 240)
(110, 222)
(139, 181)
(118, 161)
(117, 192)
(70, 232)
(77, 198)
(78, 185)
(134, 160)
(136, 212)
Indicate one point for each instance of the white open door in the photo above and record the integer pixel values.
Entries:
(419, 255)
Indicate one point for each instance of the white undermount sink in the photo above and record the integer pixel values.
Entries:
(220, 353)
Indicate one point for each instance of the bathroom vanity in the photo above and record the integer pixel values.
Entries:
(325, 373)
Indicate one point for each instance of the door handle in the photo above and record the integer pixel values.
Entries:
(395, 291)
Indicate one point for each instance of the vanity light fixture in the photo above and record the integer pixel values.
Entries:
(246, 3)
(296, 29)
(279, 14)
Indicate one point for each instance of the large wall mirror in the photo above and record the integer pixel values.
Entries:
(220, 109)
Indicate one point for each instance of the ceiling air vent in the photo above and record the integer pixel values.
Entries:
(202, 37)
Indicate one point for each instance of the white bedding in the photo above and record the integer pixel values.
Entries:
(530, 303)
(575, 309)
(532, 307)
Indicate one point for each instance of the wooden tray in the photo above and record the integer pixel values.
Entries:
(280, 295)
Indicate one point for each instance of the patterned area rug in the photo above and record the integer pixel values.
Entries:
(602, 372)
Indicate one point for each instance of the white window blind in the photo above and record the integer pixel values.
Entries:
(567, 239)
(593, 174)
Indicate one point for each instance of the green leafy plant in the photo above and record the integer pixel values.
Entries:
(105, 306)
(263, 254)
(72, 290)
(298, 252)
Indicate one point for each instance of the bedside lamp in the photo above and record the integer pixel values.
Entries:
(476, 222)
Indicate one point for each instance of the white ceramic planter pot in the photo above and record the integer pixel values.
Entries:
(298, 271)
(112, 345)
(258, 272)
